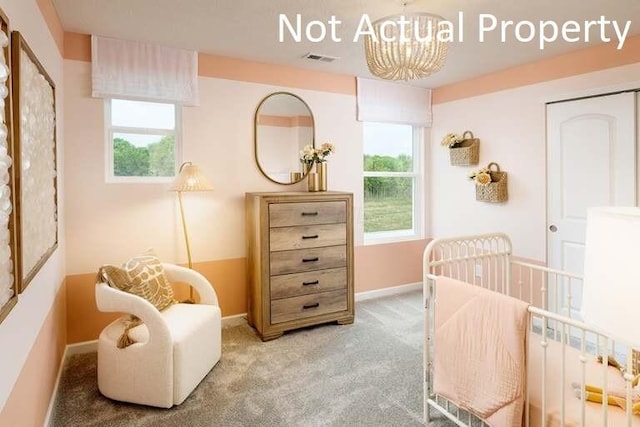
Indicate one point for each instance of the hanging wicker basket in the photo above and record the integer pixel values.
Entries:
(496, 190)
(467, 152)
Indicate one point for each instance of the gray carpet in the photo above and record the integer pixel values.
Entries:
(365, 374)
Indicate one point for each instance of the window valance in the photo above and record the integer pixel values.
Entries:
(135, 70)
(386, 102)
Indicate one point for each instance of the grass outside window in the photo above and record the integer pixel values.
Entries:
(392, 179)
(387, 213)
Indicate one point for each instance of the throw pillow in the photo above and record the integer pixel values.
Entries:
(142, 276)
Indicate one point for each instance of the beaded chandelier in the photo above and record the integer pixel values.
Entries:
(405, 47)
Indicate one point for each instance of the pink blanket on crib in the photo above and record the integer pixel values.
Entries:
(479, 349)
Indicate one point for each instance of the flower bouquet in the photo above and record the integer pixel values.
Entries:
(464, 150)
(451, 140)
(482, 176)
(310, 155)
(318, 156)
(491, 184)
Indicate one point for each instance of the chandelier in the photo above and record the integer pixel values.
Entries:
(405, 47)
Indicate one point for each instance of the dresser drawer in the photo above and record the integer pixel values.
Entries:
(289, 214)
(284, 310)
(311, 282)
(297, 261)
(307, 236)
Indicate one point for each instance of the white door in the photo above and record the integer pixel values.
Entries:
(591, 161)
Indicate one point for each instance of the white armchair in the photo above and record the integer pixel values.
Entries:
(173, 350)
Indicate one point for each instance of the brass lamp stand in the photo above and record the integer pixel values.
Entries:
(189, 179)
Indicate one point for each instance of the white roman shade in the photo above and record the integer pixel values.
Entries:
(387, 102)
(142, 71)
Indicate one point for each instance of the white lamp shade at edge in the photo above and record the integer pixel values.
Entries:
(611, 291)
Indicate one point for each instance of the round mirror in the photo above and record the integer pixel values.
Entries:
(283, 126)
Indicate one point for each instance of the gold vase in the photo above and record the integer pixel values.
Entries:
(313, 183)
(321, 170)
(295, 177)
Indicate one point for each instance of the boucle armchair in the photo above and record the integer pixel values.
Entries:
(173, 350)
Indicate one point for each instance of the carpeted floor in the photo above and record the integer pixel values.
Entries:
(365, 374)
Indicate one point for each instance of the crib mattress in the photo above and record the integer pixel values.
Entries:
(555, 384)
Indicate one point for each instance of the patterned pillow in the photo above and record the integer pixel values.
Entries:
(142, 276)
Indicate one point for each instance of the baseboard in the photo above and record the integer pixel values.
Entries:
(235, 320)
(385, 292)
(82, 347)
(69, 350)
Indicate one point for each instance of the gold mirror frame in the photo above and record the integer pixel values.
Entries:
(301, 170)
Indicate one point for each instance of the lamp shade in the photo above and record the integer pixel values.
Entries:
(190, 179)
(611, 293)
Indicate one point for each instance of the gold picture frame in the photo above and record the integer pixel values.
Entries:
(9, 257)
(34, 126)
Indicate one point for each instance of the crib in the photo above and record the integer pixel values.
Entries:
(560, 349)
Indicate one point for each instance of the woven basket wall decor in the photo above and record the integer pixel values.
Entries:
(496, 190)
(467, 152)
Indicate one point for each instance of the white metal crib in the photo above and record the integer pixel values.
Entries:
(486, 261)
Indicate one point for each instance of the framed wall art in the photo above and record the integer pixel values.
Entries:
(8, 257)
(34, 127)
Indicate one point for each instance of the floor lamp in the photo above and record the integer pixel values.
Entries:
(189, 179)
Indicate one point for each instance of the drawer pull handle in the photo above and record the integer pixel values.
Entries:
(309, 213)
(314, 259)
(315, 236)
(308, 306)
(315, 282)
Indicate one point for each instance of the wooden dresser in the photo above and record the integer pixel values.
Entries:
(300, 260)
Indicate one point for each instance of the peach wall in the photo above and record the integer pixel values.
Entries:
(279, 75)
(29, 400)
(50, 15)
(388, 265)
(285, 121)
(84, 321)
(583, 61)
(77, 46)
(511, 128)
(28, 331)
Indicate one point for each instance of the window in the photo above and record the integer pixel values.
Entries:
(392, 182)
(143, 141)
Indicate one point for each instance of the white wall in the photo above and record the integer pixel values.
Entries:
(19, 330)
(111, 222)
(511, 128)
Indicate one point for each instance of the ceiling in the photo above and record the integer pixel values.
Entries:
(248, 29)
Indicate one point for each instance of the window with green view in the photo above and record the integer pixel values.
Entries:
(142, 141)
(392, 177)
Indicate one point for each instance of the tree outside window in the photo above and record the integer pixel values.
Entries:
(142, 141)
